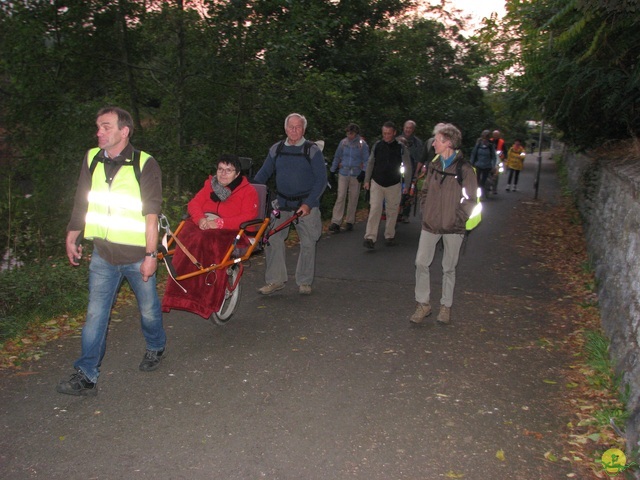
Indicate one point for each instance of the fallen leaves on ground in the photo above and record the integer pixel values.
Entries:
(559, 245)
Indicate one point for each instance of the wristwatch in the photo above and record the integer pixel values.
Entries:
(151, 254)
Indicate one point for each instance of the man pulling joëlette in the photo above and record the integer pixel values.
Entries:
(300, 182)
(118, 208)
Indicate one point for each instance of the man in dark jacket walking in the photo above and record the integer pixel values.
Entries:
(483, 157)
(300, 182)
(383, 179)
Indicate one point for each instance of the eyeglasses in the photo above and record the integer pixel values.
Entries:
(226, 171)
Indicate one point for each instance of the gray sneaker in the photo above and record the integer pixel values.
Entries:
(444, 316)
(270, 288)
(422, 311)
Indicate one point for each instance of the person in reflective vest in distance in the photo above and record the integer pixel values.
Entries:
(515, 164)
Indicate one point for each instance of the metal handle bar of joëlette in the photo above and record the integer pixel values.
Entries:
(262, 237)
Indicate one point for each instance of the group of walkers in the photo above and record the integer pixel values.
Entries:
(119, 197)
(488, 155)
(448, 196)
(447, 187)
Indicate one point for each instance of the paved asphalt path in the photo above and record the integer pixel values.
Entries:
(335, 385)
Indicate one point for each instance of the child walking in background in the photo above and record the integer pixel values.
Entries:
(515, 162)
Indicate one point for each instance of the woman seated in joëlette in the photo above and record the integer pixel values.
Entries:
(226, 200)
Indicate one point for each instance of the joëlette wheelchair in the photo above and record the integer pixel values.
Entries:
(250, 239)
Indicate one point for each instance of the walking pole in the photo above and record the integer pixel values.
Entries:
(537, 181)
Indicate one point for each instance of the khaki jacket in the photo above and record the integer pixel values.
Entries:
(444, 208)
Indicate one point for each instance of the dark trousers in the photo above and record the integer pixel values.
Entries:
(483, 173)
(517, 174)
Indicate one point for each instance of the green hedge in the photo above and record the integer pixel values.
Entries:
(39, 292)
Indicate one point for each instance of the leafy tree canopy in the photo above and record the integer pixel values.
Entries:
(573, 62)
(211, 77)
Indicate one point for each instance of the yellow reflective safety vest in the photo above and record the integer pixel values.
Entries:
(115, 210)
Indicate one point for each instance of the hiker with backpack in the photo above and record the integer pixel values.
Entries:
(484, 159)
(383, 179)
(448, 199)
(499, 145)
(350, 162)
(117, 203)
(301, 177)
(415, 146)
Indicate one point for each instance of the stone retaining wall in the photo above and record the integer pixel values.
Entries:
(608, 196)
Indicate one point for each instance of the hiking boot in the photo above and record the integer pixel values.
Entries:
(368, 243)
(422, 311)
(349, 227)
(390, 242)
(270, 288)
(151, 360)
(305, 289)
(78, 385)
(334, 227)
(444, 317)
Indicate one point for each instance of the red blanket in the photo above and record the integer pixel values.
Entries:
(205, 292)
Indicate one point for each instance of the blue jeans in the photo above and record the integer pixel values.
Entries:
(104, 282)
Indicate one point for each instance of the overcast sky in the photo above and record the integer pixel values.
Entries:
(480, 8)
